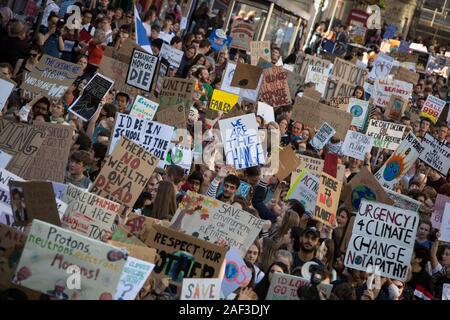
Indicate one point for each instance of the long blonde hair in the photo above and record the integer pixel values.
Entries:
(290, 220)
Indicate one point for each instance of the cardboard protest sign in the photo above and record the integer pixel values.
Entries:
(403, 74)
(183, 256)
(6, 87)
(241, 140)
(172, 55)
(88, 214)
(445, 224)
(6, 213)
(213, 220)
(223, 101)
(347, 76)
(294, 81)
(439, 206)
(51, 77)
(304, 189)
(33, 200)
(201, 289)
(303, 62)
(384, 88)
(288, 162)
(246, 76)
(134, 274)
(143, 108)
(400, 161)
(5, 158)
(381, 67)
(22, 141)
(435, 154)
(259, 49)
(50, 161)
(265, 111)
(11, 243)
(311, 113)
(319, 76)
(285, 286)
(152, 136)
(359, 109)
(321, 138)
(337, 102)
(242, 33)
(174, 116)
(86, 105)
(181, 156)
(125, 174)
(356, 145)
(175, 91)
(275, 89)
(249, 94)
(122, 236)
(387, 135)
(315, 166)
(364, 186)
(405, 56)
(432, 108)
(236, 272)
(163, 70)
(396, 107)
(49, 253)
(228, 77)
(139, 251)
(402, 201)
(141, 70)
(140, 226)
(327, 199)
(382, 240)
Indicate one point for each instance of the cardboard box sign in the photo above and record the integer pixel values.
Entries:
(184, 256)
(246, 76)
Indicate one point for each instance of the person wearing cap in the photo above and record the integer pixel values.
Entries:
(15, 46)
(309, 242)
(58, 292)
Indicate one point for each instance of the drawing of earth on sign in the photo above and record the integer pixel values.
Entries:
(361, 192)
(231, 271)
(356, 110)
(382, 69)
(394, 167)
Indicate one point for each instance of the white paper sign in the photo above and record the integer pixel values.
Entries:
(133, 277)
(143, 108)
(382, 240)
(356, 145)
(387, 135)
(381, 67)
(266, 111)
(241, 141)
(359, 109)
(445, 225)
(319, 76)
(446, 291)
(321, 138)
(6, 88)
(172, 55)
(201, 289)
(5, 158)
(435, 154)
(236, 272)
(227, 77)
(304, 189)
(384, 88)
(141, 70)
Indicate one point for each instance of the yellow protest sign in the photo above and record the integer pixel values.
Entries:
(223, 101)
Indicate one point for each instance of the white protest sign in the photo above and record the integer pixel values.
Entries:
(381, 67)
(359, 109)
(439, 207)
(88, 214)
(181, 156)
(241, 141)
(153, 136)
(356, 145)
(402, 201)
(445, 224)
(251, 94)
(141, 70)
(368, 90)
(201, 289)
(133, 277)
(212, 220)
(6, 212)
(435, 154)
(5, 158)
(143, 108)
(399, 162)
(172, 55)
(446, 291)
(387, 135)
(236, 272)
(304, 189)
(382, 239)
(6, 87)
(432, 108)
(227, 77)
(266, 111)
(384, 88)
(321, 138)
(319, 76)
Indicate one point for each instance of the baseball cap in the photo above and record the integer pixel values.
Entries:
(313, 231)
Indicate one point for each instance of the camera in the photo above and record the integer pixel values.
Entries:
(310, 292)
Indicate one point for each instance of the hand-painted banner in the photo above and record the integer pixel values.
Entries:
(11, 243)
(236, 272)
(356, 145)
(213, 220)
(275, 88)
(432, 108)
(241, 140)
(305, 189)
(201, 289)
(384, 88)
(359, 109)
(303, 62)
(134, 274)
(435, 154)
(52, 253)
(319, 76)
(314, 166)
(387, 135)
(259, 49)
(381, 67)
(172, 55)
(382, 240)
(327, 199)
(141, 70)
(400, 161)
(175, 91)
(143, 108)
(223, 101)
(403, 202)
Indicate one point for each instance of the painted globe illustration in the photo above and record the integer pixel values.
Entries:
(361, 192)
(392, 170)
(356, 110)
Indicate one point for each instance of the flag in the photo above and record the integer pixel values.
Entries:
(141, 34)
(422, 293)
